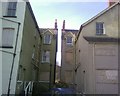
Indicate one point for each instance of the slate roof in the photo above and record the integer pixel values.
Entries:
(101, 39)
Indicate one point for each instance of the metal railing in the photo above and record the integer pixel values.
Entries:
(28, 89)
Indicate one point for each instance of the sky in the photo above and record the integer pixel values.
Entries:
(74, 13)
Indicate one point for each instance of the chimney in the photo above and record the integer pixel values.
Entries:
(63, 27)
(55, 23)
(111, 2)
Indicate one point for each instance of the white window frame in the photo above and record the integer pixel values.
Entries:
(69, 43)
(33, 54)
(7, 40)
(100, 28)
(11, 10)
(46, 39)
(46, 56)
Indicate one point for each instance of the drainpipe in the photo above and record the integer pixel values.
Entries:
(14, 54)
(94, 69)
(75, 66)
(50, 74)
(55, 58)
(118, 48)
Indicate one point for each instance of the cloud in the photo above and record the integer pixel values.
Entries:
(48, 1)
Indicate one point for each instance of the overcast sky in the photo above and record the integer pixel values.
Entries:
(74, 13)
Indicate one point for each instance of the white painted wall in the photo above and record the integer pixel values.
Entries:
(0, 51)
(7, 58)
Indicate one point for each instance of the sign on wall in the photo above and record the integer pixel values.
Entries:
(112, 74)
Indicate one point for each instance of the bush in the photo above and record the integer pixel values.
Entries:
(61, 84)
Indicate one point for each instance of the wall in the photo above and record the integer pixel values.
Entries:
(29, 44)
(84, 61)
(44, 73)
(87, 73)
(106, 64)
(0, 51)
(68, 59)
(6, 57)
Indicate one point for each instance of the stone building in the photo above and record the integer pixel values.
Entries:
(19, 47)
(48, 56)
(67, 54)
(97, 53)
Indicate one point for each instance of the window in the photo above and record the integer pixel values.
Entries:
(11, 11)
(68, 76)
(47, 39)
(69, 40)
(46, 56)
(99, 28)
(7, 37)
(33, 54)
(69, 57)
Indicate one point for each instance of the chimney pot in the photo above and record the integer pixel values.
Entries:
(63, 25)
(55, 23)
(111, 2)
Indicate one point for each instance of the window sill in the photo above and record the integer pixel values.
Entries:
(100, 34)
(47, 44)
(69, 44)
(45, 62)
(6, 47)
(19, 81)
(10, 16)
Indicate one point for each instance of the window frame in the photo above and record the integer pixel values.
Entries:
(12, 41)
(45, 55)
(69, 43)
(33, 53)
(45, 39)
(11, 9)
(100, 30)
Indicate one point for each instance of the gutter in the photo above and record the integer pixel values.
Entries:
(81, 27)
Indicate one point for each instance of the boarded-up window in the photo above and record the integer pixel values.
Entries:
(68, 76)
(69, 57)
(107, 76)
(7, 37)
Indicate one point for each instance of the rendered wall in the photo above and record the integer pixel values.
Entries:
(86, 79)
(7, 58)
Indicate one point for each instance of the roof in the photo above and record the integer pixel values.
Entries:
(71, 30)
(32, 14)
(45, 29)
(92, 19)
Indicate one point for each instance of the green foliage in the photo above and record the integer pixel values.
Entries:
(61, 84)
